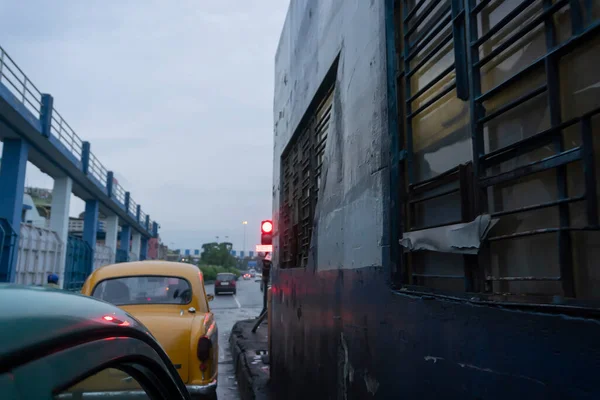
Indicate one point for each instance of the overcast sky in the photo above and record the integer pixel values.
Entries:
(174, 96)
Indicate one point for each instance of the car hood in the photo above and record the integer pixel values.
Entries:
(171, 325)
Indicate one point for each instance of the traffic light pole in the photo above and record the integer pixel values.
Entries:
(266, 232)
(266, 272)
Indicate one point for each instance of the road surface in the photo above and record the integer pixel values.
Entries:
(228, 309)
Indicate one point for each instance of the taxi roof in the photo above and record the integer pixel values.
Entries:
(32, 316)
(148, 267)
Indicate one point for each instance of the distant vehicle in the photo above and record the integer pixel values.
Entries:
(76, 353)
(170, 299)
(252, 273)
(225, 282)
(247, 276)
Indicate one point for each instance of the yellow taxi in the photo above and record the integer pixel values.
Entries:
(169, 298)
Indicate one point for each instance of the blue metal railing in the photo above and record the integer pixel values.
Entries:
(142, 218)
(97, 170)
(78, 265)
(8, 240)
(119, 193)
(19, 84)
(132, 207)
(66, 135)
(15, 80)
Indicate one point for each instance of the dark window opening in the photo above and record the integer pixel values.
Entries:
(301, 173)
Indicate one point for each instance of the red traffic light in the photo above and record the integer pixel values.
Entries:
(266, 232)
(266, 226)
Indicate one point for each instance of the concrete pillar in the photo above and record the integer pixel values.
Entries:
(12, 187)
(144, 249)
(90, 228)
(125, 239)
(112, 231)
(59, 219)
(136, 243)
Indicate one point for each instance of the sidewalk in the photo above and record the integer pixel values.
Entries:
(248, 350)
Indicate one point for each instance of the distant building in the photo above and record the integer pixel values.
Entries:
(153, 244)
(31, 213)
(76, 225)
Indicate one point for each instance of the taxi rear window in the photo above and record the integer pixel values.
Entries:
(144, 290)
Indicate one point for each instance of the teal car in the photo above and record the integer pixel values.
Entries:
(55, 344)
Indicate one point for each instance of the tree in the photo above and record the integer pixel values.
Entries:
(217, 254)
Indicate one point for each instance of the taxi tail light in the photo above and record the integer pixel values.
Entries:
(204, 346)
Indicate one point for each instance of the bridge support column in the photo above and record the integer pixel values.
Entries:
(112, 232)
(144, 249)
(59, 219)
(125, 239)
(136, 243)
(90, 229)
(12, 187)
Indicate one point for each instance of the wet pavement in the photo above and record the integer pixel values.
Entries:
(228, 309)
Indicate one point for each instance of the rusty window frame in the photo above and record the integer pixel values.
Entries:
(463, 15)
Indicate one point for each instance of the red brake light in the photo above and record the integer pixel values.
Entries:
(266, 226)
(114, 320)
(204, 346)
(217, 282)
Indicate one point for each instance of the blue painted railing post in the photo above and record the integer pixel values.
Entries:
(138, 211)
(90, 230)
(12, 187)
(125, 240)
(127, 201)
(148, 223)
(85, 157)
(144, 249)
(46, 114)
(155, 229)
(110, 177)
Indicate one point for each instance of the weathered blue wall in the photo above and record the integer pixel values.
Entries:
(338, 330)
(345, 334)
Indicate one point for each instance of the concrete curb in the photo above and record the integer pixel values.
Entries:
(253, 382)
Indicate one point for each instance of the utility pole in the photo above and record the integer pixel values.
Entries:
(244, 248)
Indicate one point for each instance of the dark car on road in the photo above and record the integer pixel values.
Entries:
(225, 283)
(56, 345)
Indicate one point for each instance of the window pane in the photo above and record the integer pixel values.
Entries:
(225, 277)
(144, 290)
(104, 382)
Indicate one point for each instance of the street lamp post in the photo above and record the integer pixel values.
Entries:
(244, 248)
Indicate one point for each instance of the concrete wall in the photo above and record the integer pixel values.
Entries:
(355, 166)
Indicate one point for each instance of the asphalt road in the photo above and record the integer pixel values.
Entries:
(228, 309)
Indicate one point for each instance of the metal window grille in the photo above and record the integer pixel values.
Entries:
(302, 166)
(511, 65)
